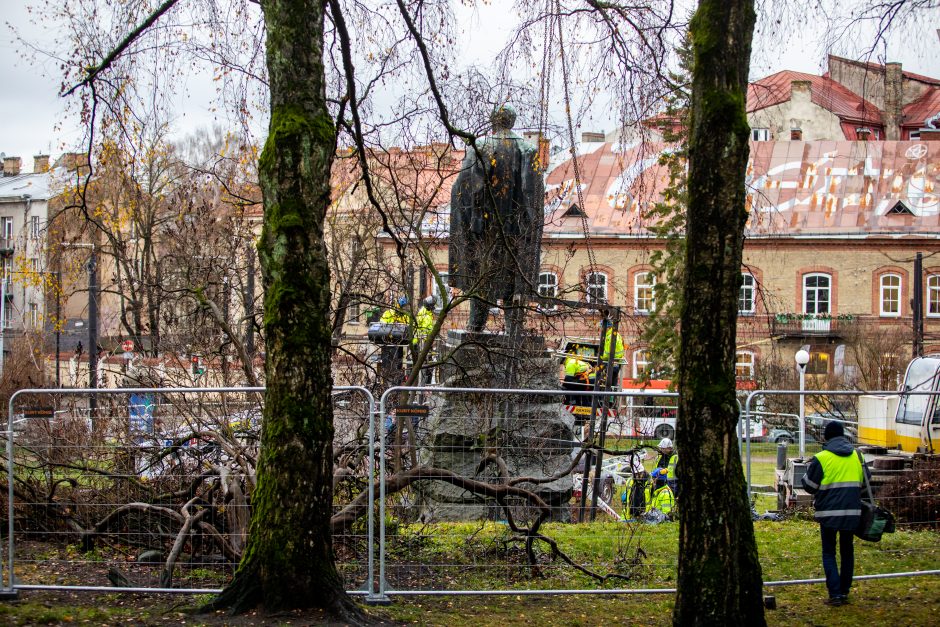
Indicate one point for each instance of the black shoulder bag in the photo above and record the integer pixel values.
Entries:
(875, 520)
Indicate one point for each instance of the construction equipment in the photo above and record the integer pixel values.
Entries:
(893, 431)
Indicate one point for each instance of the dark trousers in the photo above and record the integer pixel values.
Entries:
(838, 580)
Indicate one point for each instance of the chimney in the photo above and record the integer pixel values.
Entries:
(800, 91)
(11, 166)
(893, 101)
(592, 137)
(40, 164)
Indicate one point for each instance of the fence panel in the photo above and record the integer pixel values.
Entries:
(149, 488)
(476, 468)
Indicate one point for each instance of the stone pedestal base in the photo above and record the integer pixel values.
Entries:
(531, 433)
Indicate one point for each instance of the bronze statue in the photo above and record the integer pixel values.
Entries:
(496, 218)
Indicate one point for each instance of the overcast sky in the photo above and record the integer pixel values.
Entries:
(32, 113)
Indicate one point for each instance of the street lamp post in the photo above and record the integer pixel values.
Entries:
(802, 358)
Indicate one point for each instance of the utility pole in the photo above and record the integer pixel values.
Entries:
(917, 306)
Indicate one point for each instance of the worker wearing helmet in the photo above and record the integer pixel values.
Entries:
(661, 496)
(424, 320)
(397, 315)
(667, 461)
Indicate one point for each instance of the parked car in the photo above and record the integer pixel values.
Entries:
(815, 425)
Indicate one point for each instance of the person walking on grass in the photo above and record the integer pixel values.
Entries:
(835, 477)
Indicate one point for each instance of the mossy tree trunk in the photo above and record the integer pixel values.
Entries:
(719, 573)
(288, 562)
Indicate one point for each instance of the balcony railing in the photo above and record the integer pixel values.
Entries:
(812, 325)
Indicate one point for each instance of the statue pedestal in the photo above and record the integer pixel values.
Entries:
(532, 434)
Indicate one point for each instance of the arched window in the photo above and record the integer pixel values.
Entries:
(816, 293)
(596, 284)
(890, 295)
(644, 285)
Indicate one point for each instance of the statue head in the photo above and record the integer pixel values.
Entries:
(503, 118)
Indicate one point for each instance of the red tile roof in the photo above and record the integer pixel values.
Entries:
(917, 112)
(843, 188)
(824, 91)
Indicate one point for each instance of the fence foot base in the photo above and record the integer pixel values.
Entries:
(9, 595)
(378, 599)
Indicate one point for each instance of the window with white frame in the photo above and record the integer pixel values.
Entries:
(760, 134)
(933, 295)
(435, 290)
(596, 287)
(6, 268)
(548, 287)
(8, 316)
(744, 365)
(641, 363)
(816, 293)
(890, 300)
(34, 264)
(746, 294)
(6, 228)
(34, 227)
(33, 315)
(644, 286)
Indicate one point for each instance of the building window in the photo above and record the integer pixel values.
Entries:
(933, 295)
(641, 364)
(7, 269)
(644, 285)
(6, 227)
(744, 365)
(796, 134)
(596, 287)
(816, 288)
(33, 319)
(890, 295)
(760, 134)
(746, 294)
(353, 311)
(435, 290)
(34, 227)
(8, 316)
(34, 264)
(548, 288)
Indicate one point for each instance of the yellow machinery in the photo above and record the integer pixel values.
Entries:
(909, 422)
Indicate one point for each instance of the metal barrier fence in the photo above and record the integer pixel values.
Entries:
(150, 491)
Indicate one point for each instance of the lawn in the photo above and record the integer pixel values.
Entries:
(788, 549)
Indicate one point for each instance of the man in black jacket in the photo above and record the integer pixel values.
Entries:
(835, 477)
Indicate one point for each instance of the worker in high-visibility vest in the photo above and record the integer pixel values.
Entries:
(397, 315)
(424, 320)
(611, 339)
(578, 376)
(835, 478)
(661, 496)
(667, 460)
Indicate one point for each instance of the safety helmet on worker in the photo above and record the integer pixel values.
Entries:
(430, 302)
(665, 443)
(402, 301)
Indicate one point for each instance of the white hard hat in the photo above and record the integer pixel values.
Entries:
(665, 443)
